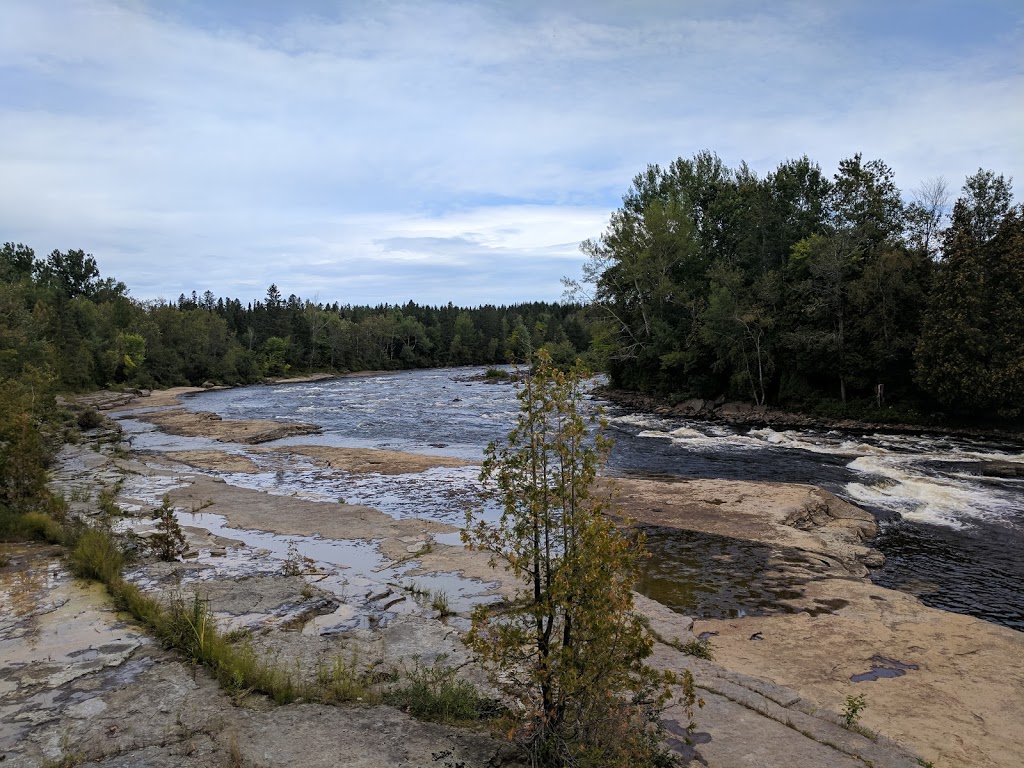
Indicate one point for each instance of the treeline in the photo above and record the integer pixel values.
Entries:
(59, 317)
(797, 289)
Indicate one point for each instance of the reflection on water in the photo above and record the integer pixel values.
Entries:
(715, 577)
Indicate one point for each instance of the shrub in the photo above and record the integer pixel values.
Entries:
(434, 693)
(701, 648)
(168, 543)
(90, 418)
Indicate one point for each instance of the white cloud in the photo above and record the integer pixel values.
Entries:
(474, 136)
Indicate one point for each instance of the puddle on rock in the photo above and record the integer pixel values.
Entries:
(440, 493)
(881, 667)
(371, 589)
(716, 577)
(70, 631)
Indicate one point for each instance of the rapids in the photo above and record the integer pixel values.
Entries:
(950, 536)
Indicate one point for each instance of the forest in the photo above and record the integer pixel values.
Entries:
(804, 291)
(59, 316)
(794, 290)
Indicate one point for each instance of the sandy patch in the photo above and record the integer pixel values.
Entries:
(203, 424)
(220, 461)
(367, 460)
(160, 398)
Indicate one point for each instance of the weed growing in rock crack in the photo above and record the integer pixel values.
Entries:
(439, 602)
(168, 542)
(237, 635)
(5, 559)
(343, 681)
(851, 711)
(108, 508)
(234, 752)
(700, 648)
(296, 564)
(416, 590)
(434, 693)
(68, 757)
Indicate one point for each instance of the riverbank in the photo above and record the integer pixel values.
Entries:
(746, 414)
(951, 685)
(367, 589)
(303, 611)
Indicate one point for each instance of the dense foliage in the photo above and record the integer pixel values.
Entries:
(796, 288)
(59, 316)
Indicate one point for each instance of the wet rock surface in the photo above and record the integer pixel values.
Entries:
(146, 707)
(799, 517)
(204, 424)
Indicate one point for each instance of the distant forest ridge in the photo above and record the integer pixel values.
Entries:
(799, 289)
(60, 316)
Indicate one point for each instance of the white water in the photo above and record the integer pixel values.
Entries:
(905, 475)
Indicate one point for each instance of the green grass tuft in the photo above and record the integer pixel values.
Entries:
(434, 693)
(699, 648)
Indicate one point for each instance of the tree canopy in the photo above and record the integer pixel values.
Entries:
(797, 288)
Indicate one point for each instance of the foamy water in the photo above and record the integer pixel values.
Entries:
(906, 476)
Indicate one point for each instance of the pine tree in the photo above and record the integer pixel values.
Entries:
(168, 543)
(970, 355)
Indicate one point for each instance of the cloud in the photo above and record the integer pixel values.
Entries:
(450, 147)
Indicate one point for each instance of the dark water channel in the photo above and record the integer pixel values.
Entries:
(950, 537)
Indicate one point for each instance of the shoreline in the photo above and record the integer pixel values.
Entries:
(747, 415)
(957, 706)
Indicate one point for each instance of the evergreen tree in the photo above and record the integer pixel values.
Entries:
(570, 650)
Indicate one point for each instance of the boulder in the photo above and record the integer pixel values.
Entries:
(735, 409)
(999, 468)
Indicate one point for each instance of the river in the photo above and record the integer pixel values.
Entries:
(950, 536)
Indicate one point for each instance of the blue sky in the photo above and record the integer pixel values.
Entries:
(373, 152)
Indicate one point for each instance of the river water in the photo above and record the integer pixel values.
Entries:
(952, 537)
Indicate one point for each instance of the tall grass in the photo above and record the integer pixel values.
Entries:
(29, 526)
(188, 626)
(434, 693)
(429, 693)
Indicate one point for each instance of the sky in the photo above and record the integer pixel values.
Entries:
(378, 152)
